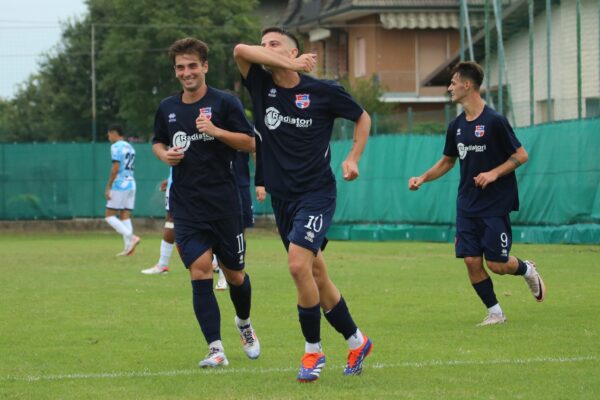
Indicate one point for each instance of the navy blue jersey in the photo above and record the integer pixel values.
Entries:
(294, 127)
(241, 168)
(204, 185)
(482, 145)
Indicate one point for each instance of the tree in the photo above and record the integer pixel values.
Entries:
(367, 92)
(133, 71)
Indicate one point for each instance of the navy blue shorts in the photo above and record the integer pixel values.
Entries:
(305, 221)
(225, 237)
(247, 209)
(490, 237)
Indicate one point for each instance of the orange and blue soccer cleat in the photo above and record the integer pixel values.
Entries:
(356, 358)
(312, 364)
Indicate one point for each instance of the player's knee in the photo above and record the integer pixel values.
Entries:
(472, 262)
(320, 280)
(235, 278)
(298, 271)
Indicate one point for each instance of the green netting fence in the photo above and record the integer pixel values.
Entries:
(559, 187)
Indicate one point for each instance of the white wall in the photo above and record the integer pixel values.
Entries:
(563, 64)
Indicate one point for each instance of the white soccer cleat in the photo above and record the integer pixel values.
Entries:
(222, 282)
(135, 240)
(214, 358)
(157, 269)
(249, 340)
(493, 319)
(122, 254)
(535, 282)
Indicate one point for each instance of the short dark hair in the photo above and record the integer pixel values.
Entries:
(116, 128)
(189, 45)
(282, 31)
(469, 70)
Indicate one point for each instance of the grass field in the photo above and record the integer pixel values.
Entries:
(78, 323)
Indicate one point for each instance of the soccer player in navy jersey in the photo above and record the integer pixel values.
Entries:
(198, 132)
(489, 153)
(293, 116)
(242, 175)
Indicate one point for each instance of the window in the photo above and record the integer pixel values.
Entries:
(360, 58)
(543, 112)
(592, 107)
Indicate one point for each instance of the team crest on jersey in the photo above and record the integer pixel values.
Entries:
(273, 92)
(172, 117)
(206, 112)
(479, 130)
(458, 132)
(302, 100)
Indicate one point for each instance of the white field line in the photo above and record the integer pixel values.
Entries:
(221, 371)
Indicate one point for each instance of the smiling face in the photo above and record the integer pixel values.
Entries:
(190, 71)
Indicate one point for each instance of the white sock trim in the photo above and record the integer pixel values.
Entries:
(166, 249)
(117, 224)
(129, 226)
(356, 340)
(217, 344)
(495, 309)
(313, 347)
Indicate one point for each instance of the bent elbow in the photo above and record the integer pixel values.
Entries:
(238, 50)
(252, 146)
(524, 156)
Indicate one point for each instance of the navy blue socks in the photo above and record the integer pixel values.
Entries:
(206, 309)
(485, 291)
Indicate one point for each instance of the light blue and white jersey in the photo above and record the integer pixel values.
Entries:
(169, 183)
(170, 180)
(124, 153)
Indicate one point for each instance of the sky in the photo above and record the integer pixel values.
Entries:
(29, 28)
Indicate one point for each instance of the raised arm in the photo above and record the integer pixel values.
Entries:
(246, 55)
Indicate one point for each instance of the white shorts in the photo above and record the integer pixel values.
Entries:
(121, 200)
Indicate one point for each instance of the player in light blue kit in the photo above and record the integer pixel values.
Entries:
(120, 189)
